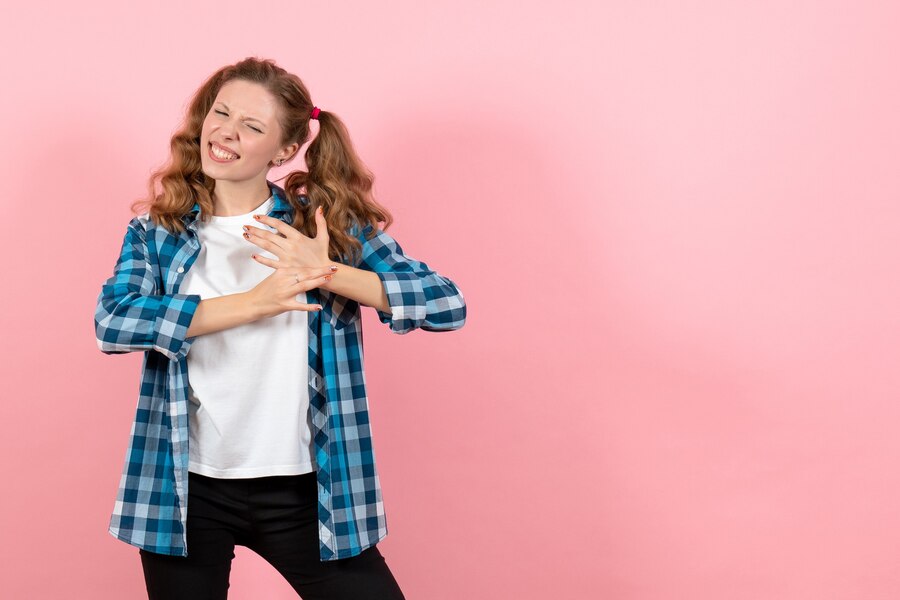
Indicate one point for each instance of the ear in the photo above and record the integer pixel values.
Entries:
(288, 152)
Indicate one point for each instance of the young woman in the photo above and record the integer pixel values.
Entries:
(252, 423)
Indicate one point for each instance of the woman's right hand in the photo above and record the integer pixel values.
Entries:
(278, 292)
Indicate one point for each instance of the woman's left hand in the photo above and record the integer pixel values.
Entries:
(292, 248)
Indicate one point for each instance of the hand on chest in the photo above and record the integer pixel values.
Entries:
(224, 264)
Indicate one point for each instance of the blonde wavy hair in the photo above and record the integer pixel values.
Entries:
(337, 180)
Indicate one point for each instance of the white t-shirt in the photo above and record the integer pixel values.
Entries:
(248, 397)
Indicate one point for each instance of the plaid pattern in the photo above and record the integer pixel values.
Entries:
(139, 309)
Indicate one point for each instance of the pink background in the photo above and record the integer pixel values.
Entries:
(675, 225)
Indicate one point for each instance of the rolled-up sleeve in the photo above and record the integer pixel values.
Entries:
(131, 315)
(419, 297)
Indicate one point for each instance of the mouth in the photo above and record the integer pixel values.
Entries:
(220, 155)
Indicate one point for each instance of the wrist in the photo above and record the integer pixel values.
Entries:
(328, 286)
(252, 308)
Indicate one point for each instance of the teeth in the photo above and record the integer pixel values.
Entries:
(222, 154)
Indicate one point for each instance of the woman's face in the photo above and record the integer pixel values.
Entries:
(242, 124)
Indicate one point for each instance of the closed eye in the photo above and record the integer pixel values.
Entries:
(250, 126)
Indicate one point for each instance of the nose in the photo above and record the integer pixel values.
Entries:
(228, 128)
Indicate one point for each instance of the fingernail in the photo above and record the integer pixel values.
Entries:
(333, 268)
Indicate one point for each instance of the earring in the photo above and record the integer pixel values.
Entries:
(279, 161)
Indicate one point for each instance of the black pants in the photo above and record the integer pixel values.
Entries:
(275, 517)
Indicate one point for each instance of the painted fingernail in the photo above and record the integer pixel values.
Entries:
(246, 236)
(333, 268)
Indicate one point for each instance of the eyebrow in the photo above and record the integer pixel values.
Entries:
(246, 118)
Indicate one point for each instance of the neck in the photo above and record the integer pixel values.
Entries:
(239, 197)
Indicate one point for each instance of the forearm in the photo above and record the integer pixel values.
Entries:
(358, 284)
(405, 292)
(223, 312)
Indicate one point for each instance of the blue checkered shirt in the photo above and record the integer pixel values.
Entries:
(140, 309)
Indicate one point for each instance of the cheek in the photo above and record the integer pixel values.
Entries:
(257, 153)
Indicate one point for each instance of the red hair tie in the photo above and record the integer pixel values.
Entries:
(315, 113)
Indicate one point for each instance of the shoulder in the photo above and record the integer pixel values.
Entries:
(143, 221)
(137, 228)
(146, 226)
(361, 233)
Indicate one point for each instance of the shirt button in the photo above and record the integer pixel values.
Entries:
(181, 269)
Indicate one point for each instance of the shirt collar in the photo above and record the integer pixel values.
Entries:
(281, 204)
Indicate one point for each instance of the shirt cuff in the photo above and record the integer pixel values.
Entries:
(173, 318)
(406, 296)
